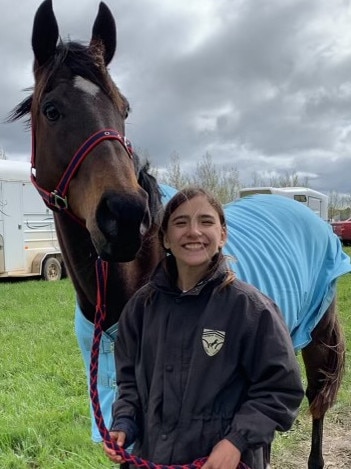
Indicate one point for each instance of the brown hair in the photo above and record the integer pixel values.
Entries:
(178, 199)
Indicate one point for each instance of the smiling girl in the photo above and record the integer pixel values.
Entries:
(205, 363)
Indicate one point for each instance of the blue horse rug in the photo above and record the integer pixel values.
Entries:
(290, 254)
(275, 243)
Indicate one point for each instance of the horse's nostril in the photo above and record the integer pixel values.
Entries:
(107, 219)
(111, 229)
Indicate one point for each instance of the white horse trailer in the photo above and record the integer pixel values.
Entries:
(28, 242)
(316, 201)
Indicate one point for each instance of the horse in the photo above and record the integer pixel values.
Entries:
(105, 202)
(107, 205)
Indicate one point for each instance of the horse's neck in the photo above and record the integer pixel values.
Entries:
(123, 279)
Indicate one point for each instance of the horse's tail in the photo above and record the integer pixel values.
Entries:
(325, 381)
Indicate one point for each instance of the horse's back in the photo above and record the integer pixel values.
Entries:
(290, 254)
(167, 192)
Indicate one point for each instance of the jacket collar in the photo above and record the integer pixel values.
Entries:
(165, 276)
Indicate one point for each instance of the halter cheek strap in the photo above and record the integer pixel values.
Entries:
(57, 199)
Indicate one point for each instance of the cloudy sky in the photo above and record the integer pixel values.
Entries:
(262, 85)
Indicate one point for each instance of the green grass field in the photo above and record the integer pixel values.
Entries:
(44, 414)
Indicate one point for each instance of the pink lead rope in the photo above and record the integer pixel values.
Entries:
(100, 314)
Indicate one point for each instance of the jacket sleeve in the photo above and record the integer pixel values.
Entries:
(275, 391)
(127, 404)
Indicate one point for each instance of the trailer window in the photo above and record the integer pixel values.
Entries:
(244, 193)
(300, 198)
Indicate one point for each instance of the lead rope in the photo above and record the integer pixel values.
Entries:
(100, 315)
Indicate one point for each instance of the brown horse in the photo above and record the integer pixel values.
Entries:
(105, 202)
(107, 205)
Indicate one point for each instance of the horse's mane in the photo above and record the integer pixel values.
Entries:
(22, 109)
(148, 182)
(81, 60)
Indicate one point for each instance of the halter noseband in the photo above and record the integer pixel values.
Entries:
(57, 199)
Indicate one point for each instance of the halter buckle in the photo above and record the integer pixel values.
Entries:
(61, 203)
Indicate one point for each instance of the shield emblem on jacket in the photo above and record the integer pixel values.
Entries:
(212, 341)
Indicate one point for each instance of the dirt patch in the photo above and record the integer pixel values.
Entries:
(336, 449)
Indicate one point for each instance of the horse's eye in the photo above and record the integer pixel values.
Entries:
(51, 112)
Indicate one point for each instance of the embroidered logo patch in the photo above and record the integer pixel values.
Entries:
(212, 341)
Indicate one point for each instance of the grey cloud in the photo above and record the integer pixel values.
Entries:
(266, 88)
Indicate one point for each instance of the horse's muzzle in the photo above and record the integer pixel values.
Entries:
(122, 220)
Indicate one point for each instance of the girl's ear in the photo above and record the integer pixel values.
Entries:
(166, 243)
(224, 236)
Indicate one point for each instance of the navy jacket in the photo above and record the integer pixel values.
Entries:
(196, 367)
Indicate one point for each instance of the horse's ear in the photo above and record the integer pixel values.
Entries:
(45, 33)
(104, 30)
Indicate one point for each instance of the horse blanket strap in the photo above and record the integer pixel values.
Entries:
(57, 199)
(100, 314)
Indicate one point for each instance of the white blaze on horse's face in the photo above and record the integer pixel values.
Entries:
(86, 86)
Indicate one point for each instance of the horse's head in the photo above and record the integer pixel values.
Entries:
(78, 114)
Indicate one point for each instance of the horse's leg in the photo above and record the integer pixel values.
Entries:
(316, 460)
(324, 360)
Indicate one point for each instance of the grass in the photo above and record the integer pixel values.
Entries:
(44, 414)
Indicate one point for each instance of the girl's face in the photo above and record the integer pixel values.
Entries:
(194, 233)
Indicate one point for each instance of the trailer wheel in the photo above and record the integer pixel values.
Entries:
(52, 269)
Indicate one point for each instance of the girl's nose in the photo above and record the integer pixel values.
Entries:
(194, 229)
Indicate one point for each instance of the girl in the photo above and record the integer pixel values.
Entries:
(205, 363)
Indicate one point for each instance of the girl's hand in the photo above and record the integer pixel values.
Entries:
(223, 456)
(119, 438)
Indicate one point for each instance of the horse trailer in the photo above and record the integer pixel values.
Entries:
(28, 241)
(316, 201)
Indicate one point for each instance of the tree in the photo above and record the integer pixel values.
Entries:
(289, 179)
(222, 181)
(339, 207)
(175, 176)
(333, 205)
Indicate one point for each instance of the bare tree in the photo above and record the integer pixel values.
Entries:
(347, 205)
(230, 185)
(207, 174)
(289, 179)
(174, 175)
(222, 181)
(257, 180)
(333, 205)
